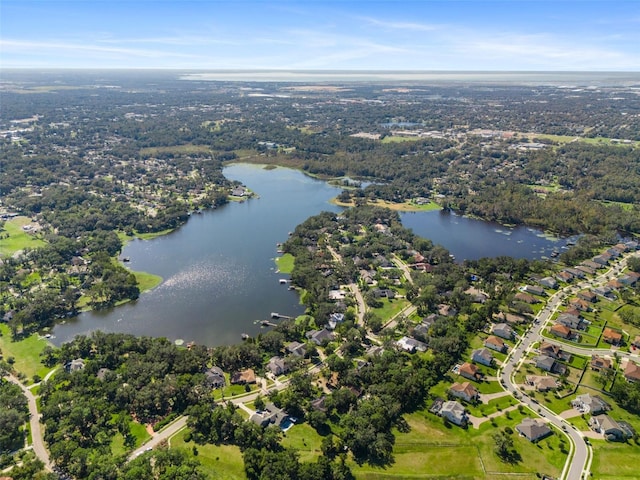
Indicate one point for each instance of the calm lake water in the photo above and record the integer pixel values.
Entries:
(218, 269)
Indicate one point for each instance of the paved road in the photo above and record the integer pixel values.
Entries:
(36, 432)
(578, 468)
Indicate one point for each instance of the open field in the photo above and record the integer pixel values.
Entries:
(147, 281)
(408, 206)
(220, 462)
(25, 352)
(17, 238)
(285, 263)
(304, 439)
(183, 149)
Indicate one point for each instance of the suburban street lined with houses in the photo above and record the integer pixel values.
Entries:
(579, 459)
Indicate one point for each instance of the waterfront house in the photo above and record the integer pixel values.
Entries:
(214, 377)
(320, 337)
(244, 377)
(533, 429)
(465, 391)
(296, 348)
(454, 412)
(611, 336)
(482, 356)
(495, 343)
(277, 366)
(74, 365)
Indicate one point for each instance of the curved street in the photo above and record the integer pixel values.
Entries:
(577, 465)
(34, 421)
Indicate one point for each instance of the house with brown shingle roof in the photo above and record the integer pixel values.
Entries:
(526, 298)
(587, 296)
(580, 304)
(611, 336)
(636, 341)
(465, 391)
(470, 371)
(542, 383)
(495, 343)
(600, 363)
(632, 372)
(533, 429)
(243, 378)
(550, 349)
(560, 331)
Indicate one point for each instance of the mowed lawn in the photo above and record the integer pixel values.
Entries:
(617, 461)
(25, 352)
(17, 238)
(219, 462)
(431, 450)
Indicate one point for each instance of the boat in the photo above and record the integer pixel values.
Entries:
(245, 336)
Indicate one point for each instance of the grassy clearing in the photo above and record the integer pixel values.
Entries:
(390, 308)
(179, 149)
(397, 139)
(152, 235)
(220, 462)
(147, 281)
(285, 263)
(304, 439)
(26, 352)
(615, 460)
(408, 206)
(17, 239)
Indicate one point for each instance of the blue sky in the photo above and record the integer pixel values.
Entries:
(344, 35)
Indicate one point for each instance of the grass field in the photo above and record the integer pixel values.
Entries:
(407, 206)
(285, 263)
(390, 308)
(147, 281)
(397, 139)
(25, 352)
(184, 149)
(17, 238)
(431, 450)
(304, 439)
(220, 462)
(617, 461)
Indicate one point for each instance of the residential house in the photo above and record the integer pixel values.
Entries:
(411, 345)
(465, 391)
(270, 415)
(74, 365)
(632, 372)
(375, 350)
(592, 404)
(446, 310)
(580, 304)
(587, 296)
(533, 429)
(510, 318)
(482, 356)
(636, 341)
(533, 289)
(602, 260)
(548, 282)
(319, 404)
(320, 337)
(611, 336)
(454, 412)
(615, 284)
(542, 383)
(591, 264)
(545, 362)
(575, 272)
(470, 371)
(526, 298)
(244, 377)
(550, 349)
(277, 366)
(214, 377)
(600, 363)
(608, 427)
(102, 373)
(560, 331)
(334, 320)
(495, 343)
(565, 277)
(605, 291)
(586, 270)
(570, 321)
(629, 278)
(296, 348)
(503, 330)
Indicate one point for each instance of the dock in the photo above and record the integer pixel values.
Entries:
(278, 315)
(267, 323)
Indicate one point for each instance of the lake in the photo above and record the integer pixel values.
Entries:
(218, 269)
